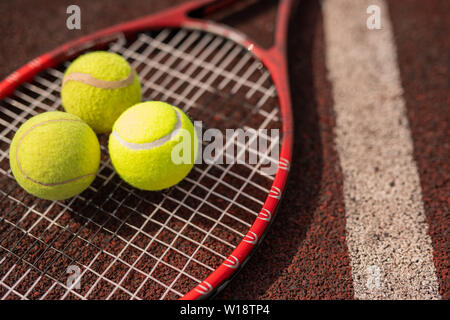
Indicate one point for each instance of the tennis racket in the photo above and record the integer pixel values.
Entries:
(116, 242)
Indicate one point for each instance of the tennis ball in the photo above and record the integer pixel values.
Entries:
(54, 155)
(153, 145)
(98, 87)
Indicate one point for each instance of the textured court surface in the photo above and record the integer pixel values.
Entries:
(366, 212)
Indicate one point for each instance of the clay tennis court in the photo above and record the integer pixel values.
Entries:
(366, 211)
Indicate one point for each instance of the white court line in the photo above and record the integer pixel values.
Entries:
(387, 233)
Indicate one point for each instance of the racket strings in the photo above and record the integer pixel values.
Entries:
(128, 243)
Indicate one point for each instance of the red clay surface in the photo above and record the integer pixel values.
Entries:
(304, 256)
(423, 42)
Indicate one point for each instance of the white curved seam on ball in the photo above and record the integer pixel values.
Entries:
(154, 144)
(41, 183)
(102, 84)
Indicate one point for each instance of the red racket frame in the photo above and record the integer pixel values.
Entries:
(275, 61)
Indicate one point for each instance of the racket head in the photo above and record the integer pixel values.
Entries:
(150, 44)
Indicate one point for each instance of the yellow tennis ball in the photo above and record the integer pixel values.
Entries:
(153, 145)
(54, 155)
(98, 87)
